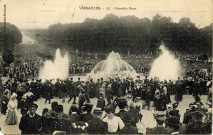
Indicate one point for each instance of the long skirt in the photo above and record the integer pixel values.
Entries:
(11, 118)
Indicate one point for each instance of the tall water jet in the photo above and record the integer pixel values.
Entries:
(58, 68)
(165, 67)
(113, 67)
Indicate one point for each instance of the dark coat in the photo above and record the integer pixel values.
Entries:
(121, 114)
(91, 90)
(60, 124)
(195, 128)
(157, 130)
(72, 90)
(24, 106)
(4, 102)
(45, 125)
(86, 117)
(108, 93)
(147, 96)
(74, 118)
(30, 125)
(97, 126)
(101, 103)
(128, 129)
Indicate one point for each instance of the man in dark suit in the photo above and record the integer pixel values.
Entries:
(61, 122)
(73, 112)
(96, 125)
(122, 104)
(72, 91)
(128, 128)
(29, 123)
(101, 102)
(159, 129)
(87, 116)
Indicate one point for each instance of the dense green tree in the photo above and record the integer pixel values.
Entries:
(130, 34)
(11, 37)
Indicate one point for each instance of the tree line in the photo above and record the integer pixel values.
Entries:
(130, 34)
(9, 36)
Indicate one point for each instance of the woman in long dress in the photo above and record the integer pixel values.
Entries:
(11, 118)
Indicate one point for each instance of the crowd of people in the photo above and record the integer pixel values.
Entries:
(119, 104)
(119, 113)
(28, 63)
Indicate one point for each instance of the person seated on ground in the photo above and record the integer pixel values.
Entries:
(114, 123)
(96, 125)
(173, 124)
(159, 129)
(128, 128)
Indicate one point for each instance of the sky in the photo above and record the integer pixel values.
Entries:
(42, 13)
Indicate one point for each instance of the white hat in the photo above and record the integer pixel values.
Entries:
(14, 95)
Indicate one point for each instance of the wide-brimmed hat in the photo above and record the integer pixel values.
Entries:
(159, 115)
(109, 108)
(54, 104)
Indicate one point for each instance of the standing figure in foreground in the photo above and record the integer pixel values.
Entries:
(4, 101)
(29, 123)
(11, 112)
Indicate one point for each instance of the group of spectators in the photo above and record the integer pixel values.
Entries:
(125, 94)
(28, 63)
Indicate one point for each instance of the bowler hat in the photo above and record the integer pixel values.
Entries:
(159, 116)
(88, 107)
(122, 103)
(59, 109)
(127, 117)
(74, 108)
(173, 120)
(54, 104)
(109, 108)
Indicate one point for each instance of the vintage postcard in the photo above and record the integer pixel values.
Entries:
(106, 66)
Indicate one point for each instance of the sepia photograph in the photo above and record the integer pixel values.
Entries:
(106, 67)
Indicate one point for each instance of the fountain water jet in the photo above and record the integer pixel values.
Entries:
(165, 67)
(59, 68)
(113, 67)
